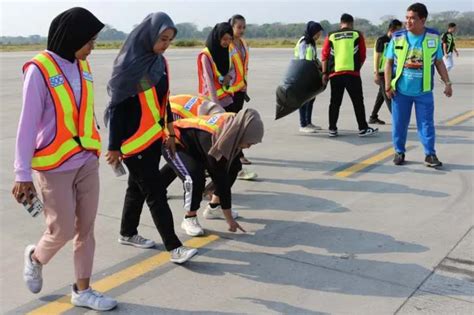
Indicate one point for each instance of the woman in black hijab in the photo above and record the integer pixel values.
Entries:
(139, 113)
(69, 178)
(71, 30)
(306, 49)
(214, 72)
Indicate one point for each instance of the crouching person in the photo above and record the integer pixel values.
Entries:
(211, 143)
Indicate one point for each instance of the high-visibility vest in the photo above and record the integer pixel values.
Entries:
(449, 41)
(240, 64)
(380, 67)
(310, 53)
(344, 55)
(429, 47)
(75, 125)
(153, 117)
(210, 124)
(186, 106)
(221, 91)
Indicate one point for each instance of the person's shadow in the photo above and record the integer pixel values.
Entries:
(354, 276)
(285, 201)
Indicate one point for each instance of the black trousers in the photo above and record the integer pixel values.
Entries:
(236, 106)
(238, 103)
(192, 174)
(145, 184)
(353, 85)
(380, 99)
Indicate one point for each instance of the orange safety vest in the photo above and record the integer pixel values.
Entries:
(221, 91)
(150, 129)
(210, 124)
(240, 65)
(186, 106)
(75, 126)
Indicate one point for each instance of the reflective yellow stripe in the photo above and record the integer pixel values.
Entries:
(63, 94)
(180, 110)
(142, 140)
(150, 99)
(135, 144)
(52, 159)
(89, 116)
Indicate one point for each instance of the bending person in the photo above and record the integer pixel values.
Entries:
(211, 144)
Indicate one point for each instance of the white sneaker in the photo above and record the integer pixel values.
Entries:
(192, 227)
(137, 241)
(217, 213)
(32, 272)
(307, 129)
(315, 127)
(246, 175)
(182, 254)
(92, 299)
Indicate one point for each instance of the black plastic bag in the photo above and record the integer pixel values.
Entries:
(302, 82)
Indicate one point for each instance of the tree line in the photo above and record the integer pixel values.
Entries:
(187, 31)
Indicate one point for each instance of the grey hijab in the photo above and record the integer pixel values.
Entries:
(137, 67)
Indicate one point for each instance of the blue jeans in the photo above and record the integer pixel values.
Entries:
(305, 113)
(424, 111)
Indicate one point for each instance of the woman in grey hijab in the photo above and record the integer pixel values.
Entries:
(139, 114)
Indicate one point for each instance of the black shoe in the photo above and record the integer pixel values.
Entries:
(368, 132)
(432, 161)
(376, 121)
(399, 159)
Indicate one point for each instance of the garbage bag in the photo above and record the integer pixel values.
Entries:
(301, 83)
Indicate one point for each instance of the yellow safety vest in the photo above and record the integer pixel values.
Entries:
(240, 65)
(429, 47)
(344, 54)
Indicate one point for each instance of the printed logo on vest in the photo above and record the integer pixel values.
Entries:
(87, 76)
(213, 119)
(189, 104)
(346, 35)
(57, 80)
(431, 43)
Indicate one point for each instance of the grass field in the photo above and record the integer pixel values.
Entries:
(257, 43)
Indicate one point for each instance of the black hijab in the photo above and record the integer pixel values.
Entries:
(220, 55)
(71, 30)
(312, 28)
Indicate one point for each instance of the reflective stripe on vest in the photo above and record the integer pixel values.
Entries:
(380, 67)
(240, 65)
(75, 129)
(429, 47)
(343, 50)
(309, 53)
(221, 91)
(150, 129)
(211, 124)
(186, 106)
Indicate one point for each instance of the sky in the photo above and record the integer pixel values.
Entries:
(23, 18)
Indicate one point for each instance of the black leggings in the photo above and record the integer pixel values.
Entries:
(145, 184)
(192, 174)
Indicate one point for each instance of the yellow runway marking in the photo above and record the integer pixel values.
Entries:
(117, 279)
(365, 163)
(460, 118)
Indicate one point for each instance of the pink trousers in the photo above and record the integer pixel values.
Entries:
(70, 201)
